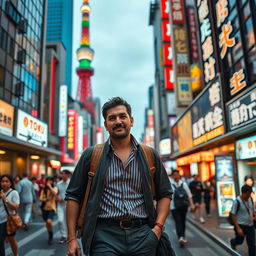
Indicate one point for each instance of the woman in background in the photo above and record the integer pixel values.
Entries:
(248, 180)
(11, 200)
(48, 198)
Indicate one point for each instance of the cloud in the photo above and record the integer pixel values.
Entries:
(123, 61)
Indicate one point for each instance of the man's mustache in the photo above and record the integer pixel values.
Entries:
(118, 126)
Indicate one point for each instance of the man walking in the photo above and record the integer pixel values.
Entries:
(27, 197)
(182, 198)
(243, 214)
(120, 217)
(61, 209)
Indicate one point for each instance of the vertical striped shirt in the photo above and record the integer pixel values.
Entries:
(123, 196)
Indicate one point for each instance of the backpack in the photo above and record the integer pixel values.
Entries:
(180, 197)
(94, 162)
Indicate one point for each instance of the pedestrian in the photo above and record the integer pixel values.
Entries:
(35, 203)
(10, 199)
(41, 183)
(48, 198)
(248, 180)
(207, 197)
(196, 188)
(120, 218)
(182, 199)
(61, 209)
(27, 197)
(17, 179)
(243, 214)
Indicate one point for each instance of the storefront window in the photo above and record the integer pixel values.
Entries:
(237, 50)
(233, 17)
(246, 12)
(252, 64)
(249, 31)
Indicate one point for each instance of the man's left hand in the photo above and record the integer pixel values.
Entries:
(157, 230)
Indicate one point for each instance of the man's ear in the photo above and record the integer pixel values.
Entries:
(132, 121)
(105, 126)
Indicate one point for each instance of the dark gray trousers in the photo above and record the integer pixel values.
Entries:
(111, 240)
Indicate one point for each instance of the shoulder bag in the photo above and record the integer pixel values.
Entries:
(13, 220)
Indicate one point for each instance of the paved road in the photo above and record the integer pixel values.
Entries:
(34, 242)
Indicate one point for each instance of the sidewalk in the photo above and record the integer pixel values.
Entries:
(219, 235)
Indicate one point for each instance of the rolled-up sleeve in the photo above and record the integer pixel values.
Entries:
(162, 184)
(79, 178)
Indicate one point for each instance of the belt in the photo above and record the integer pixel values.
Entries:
(124, 223)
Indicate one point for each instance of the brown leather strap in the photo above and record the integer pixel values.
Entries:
(95, 160)
(148, 152)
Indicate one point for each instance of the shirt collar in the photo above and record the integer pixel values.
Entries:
(134, 143)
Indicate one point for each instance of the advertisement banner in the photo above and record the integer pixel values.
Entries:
(169, 78)
(242, 111)
(31, 129)
(63, 102)
(167, 54)
(246, 148)
(207, 115)
(165, 9)
(224, 168)
(166, 31)
(6, 118)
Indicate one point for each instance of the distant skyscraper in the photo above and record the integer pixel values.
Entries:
(85, 56)
(59, 29)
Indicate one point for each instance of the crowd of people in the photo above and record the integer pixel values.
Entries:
(29, 197)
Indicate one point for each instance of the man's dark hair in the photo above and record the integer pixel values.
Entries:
(24, 174)
(246, 189)
(177, 171)
(114, 102)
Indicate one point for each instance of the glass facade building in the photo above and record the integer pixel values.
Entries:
(21, 48)
(59, 29)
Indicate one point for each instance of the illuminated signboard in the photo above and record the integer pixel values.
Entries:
(184, 93)
(166, 31)
(246, 148)
(31, 129)
(63, 101)
(167, 54)
(207, 115)
(6, 118)
(169, 78)
(242, 111)
(178, 15)
(72, 144)
(165, 9)
(206, 39)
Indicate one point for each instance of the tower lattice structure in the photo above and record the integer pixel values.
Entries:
(85, 57)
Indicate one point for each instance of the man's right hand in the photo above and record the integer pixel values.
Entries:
(240, 232)
(74, 248)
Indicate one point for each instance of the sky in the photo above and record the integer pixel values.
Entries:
(123, 60)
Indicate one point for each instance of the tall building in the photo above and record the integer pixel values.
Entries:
(59, 29)
(85, 56)
(23, 134)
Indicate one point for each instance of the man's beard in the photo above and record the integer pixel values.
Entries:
(119, 136)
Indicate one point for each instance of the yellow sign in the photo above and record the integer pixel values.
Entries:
(6, 118)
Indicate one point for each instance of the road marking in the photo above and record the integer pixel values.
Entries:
(29, 238)
(41, 252)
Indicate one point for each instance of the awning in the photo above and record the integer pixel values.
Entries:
(55, 164)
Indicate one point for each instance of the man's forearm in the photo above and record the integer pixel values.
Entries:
(162, 210)
(234, 219)
(72, 216)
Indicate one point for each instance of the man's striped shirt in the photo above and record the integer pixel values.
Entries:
(123, 195)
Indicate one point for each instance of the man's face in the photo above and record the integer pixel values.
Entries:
(176, 176)
(64, 176)
(118, 122)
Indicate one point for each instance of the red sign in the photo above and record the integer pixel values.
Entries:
(166, 31)
(165, 9)
(178, 15)
(192, 34)
(168, 55)
(72, 132)
(169, 78)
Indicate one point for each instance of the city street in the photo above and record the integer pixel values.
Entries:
(34, 242)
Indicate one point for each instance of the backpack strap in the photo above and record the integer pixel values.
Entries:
(148, 152)
(94, 163)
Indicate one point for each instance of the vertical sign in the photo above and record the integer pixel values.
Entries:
(72, 132)
(80, 147)
(178, 15)
(6, 118)
(63, 100)
(183, 90)
(206, 40)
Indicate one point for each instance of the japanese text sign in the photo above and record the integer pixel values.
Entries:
(242, 111)
(167, 54)
(165, 9)
(206, 39)
(246, 148)
(6, 118)
(72, 129)
(166, 31)
(178, 14)
(169, 78)
(184, 94)
(207, 115)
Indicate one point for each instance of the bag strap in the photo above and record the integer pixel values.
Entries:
(94, 162)
(5, 206)
(148, 152)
